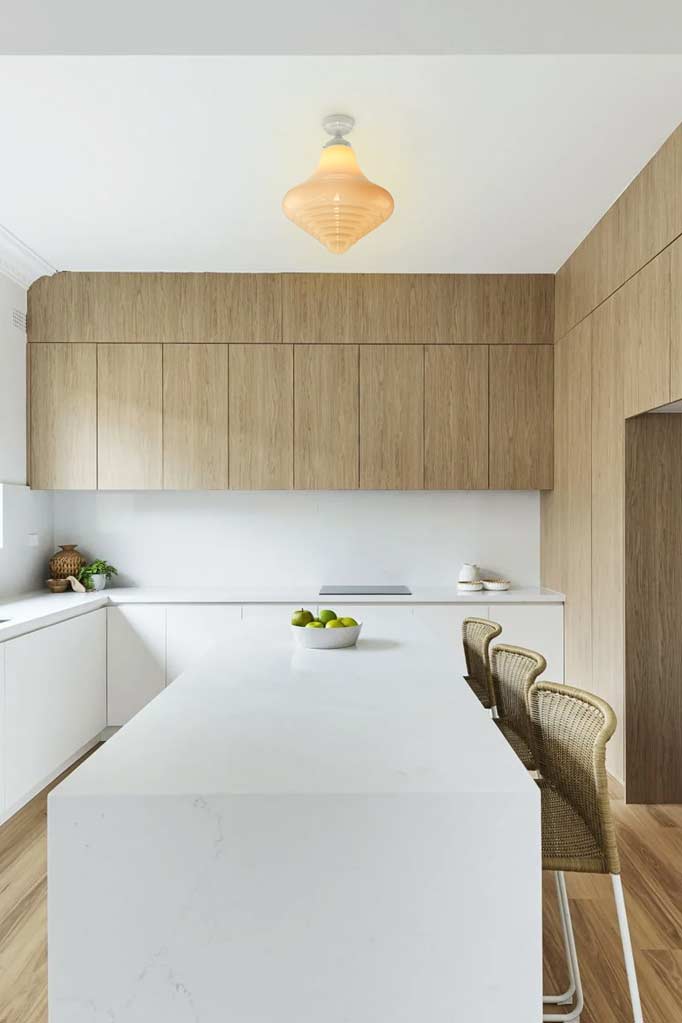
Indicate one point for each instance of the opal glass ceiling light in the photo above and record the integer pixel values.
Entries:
(338, 205)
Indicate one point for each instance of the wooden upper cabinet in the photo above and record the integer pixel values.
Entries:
(129, 396)
(644, 314)
(63, 416)
(411, 308)
(261, 417)
(392, 417)
(521, 417)
(326, 438)
(456, 417)
(195, 417)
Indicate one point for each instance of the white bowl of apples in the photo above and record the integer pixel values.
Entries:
(327, 631)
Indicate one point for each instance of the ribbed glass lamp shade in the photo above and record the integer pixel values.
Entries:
(338, 205)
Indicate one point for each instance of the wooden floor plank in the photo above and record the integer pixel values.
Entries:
(650, 842)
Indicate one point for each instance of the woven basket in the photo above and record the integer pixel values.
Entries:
(66, 561)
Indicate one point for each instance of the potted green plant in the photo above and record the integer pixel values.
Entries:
(96, 575)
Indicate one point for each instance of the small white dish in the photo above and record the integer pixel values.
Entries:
(326, 639)
(469, 587)
(496, 584)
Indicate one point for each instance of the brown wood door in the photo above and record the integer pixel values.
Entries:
(195, 417)
(63, 416)
(521, 417)
(129, 435)
(261, 414)
(456, 417)
(392, 417)
(326, 418)
(645, 316)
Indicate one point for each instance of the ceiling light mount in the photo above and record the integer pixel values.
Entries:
(338, 125)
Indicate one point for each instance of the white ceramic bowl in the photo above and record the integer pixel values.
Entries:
(326, 639)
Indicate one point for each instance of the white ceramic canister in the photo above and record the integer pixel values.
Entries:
(468, 574)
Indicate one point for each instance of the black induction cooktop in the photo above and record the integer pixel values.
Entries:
(364, 591)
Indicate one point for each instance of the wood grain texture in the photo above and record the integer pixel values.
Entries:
(195, 420)
(326, 417)
(639, 225)
(653, 608)
(129, 414)
(608, 482)
(649, 838)
(645, 320)
(62, 416)
(392, 417)
(456, 417)
(155, 307)
(567, 509)
(521, 417)
(676, 321)
(261, 411)
(411, 308)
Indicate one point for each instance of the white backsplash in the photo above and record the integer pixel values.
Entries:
(218, 538)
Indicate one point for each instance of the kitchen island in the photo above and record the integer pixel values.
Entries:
(301, 837)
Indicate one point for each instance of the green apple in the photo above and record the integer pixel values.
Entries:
(348, 621)
(301, 617)
(327, 616)
(335, 623)
(314, 625)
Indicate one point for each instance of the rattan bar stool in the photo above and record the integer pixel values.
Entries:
(477, 635)
(514, 670)
(569, 732)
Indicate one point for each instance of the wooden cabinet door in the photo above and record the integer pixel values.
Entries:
(456, 417)
(521, 417)
(195, 417)
(129, 397)
(261, 411)
(392, 417)
(63, 416)
(644, 311)
(326, 430)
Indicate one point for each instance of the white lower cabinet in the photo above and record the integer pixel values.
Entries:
(277, 613)
(136, 658)
(538, 627)
(192, 628)
(55, 701)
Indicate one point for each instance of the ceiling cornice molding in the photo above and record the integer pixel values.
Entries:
(20, 263)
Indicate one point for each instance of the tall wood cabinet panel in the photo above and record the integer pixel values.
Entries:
(261, 411)
(195, 417)
(155, 307)
(645, 302)
(411, 308)
(129, 413)
(676, 321)
(521, 417)
(608, 476)
(392, 417)
(326, 423)
(63, 416)
(456, 417)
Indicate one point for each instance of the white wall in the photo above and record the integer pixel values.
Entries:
(234, 538)
(12, 385)
(26, 520)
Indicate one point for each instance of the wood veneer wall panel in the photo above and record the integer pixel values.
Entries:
(392, 417)
(261, 410)
(521, 417)
(326, 417)
(608, 483)
(155, 307)
(62, 416)
(653, 607)
(645, 336)
(195, 417)
(567, 509)
(456, 417)
(129, 417)
(411, 308)
(676, 321)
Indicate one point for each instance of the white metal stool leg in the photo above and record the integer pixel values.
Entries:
(573, 1015)
(627, 948)
(566, 997)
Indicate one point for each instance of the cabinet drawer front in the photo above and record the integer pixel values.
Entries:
(136, 659)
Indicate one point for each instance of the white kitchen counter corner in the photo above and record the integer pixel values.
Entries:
(299, 836)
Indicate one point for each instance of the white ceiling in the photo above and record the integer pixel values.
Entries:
(496, 163)
(355, 26)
